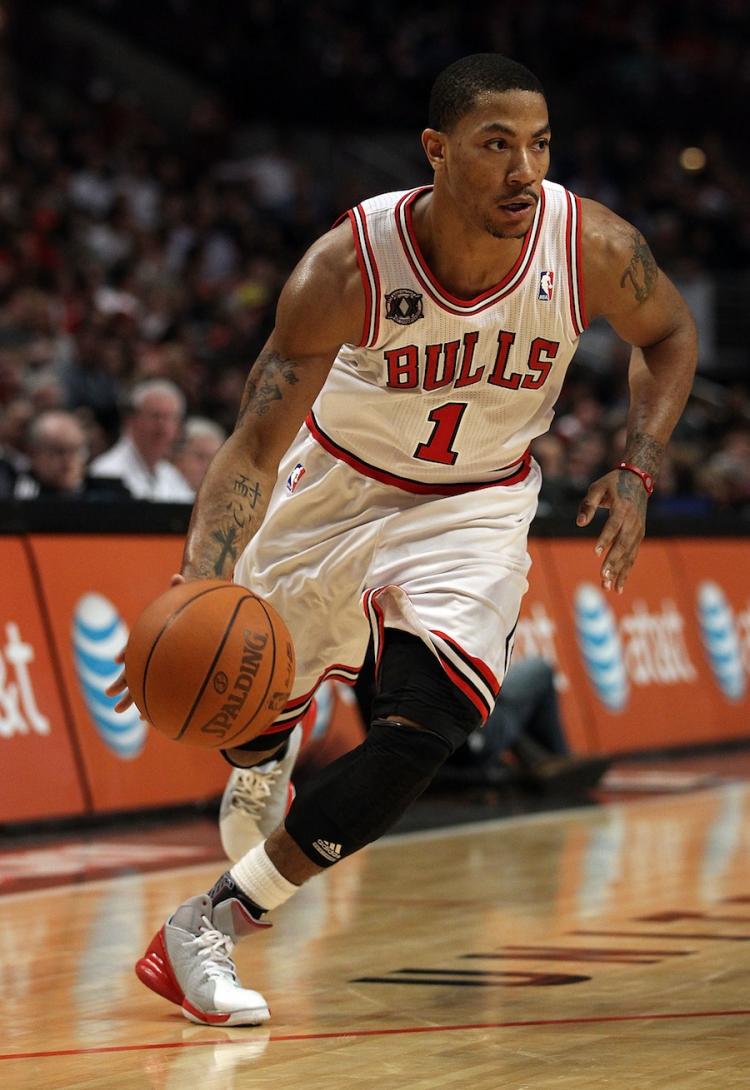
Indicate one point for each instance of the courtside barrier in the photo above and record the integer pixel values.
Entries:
(663, 665)
(667, 664)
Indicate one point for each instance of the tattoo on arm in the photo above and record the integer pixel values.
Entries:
(644, 451)
(229, 536)
(246, 495)
(226, 539)
(265, 383)
(641, 270)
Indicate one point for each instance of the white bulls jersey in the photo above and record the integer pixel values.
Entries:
(444, 393)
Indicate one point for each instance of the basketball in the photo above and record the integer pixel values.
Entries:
(209, 663)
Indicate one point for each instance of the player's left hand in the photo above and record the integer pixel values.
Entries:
(625, 498)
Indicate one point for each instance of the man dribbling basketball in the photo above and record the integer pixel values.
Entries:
(378, 481)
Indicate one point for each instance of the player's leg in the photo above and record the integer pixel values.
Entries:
(420, 718)
(314, 580)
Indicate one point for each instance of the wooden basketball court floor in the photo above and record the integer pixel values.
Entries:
(598, 947)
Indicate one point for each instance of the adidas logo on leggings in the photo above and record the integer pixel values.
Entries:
(329, 850)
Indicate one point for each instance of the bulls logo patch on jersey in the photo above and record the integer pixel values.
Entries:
(403, 306)
(546, 285)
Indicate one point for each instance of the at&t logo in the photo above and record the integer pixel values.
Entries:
(645, 647)
(19, 711)
(721, 640)
(599, 641)
(98, 634)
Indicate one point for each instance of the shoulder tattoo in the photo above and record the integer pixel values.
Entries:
(265, 383)
(641, 270)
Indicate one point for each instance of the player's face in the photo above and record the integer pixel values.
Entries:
(495, 159)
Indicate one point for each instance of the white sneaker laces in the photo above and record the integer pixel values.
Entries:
(215, 950)
(253, 789)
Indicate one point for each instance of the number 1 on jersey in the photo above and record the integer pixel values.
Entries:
(439, 447)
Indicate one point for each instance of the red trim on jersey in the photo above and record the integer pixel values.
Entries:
(481, 667)
(461, 683)
(441, 295)
(369, 602)
(365, 280)
(299, 703)
(406, 484)
(573, 263)
(579, 264)
(569, 263)
(376, 276)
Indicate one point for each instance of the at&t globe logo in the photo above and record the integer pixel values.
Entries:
(720, 639)
(98, 634)
(599, 641)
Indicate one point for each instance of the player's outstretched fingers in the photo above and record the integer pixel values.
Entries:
(610, 533)
(120, 685)
(620, 559)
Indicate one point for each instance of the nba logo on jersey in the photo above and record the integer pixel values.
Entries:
(295, 477)
(546, 283)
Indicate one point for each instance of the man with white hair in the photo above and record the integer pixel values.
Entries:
(140, 457)
(201, 439)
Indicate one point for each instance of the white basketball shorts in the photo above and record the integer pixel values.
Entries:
(341, 556)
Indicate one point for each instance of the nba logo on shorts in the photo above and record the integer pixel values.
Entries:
(546, 283)
(295, 477)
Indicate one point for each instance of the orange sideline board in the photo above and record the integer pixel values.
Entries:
(646, 674)
(40, 778)
(95, 587)
(665, 664)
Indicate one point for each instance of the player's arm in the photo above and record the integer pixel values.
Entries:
(624, 284)
(321, 308)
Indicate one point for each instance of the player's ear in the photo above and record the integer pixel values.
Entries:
(433, 143)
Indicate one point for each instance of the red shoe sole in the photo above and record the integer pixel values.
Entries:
(154, 970)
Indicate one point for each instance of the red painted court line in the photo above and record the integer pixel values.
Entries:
(345, 1034)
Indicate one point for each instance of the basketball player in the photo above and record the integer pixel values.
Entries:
(379, 481)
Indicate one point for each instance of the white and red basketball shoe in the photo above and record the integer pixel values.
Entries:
(189, 962)
(256, 800)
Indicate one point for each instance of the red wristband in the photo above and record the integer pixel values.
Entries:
(646, 479)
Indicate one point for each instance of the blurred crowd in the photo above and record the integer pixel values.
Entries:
(141, 255)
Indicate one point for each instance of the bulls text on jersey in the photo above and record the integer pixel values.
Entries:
(454, 364)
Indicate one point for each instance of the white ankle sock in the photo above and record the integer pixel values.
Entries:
(256, 876)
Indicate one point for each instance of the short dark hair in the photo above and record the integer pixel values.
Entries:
(456, 88)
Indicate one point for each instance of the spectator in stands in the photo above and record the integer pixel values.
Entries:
(57, 457)
(201, 438)
(726, 475)
(132, 250)
(154, 416)
(15, 419)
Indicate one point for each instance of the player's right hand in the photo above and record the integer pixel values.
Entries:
(119, 686)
